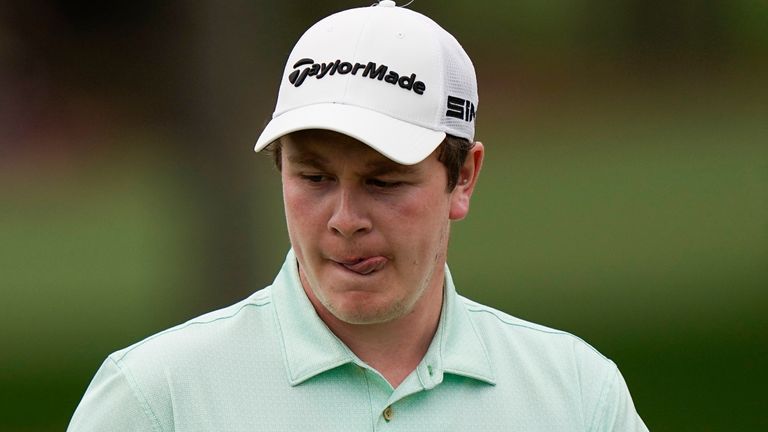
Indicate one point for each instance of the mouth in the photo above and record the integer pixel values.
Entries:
(364, 265)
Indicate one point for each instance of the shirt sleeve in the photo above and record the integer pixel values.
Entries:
(111, 404)
(616, 412)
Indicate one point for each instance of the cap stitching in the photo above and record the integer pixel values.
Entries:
(438, 118)
(354, 54)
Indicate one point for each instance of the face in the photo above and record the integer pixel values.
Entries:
(370, 235)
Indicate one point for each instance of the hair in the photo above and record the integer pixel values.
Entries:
(452, 152)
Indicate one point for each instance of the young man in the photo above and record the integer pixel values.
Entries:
(363, 329)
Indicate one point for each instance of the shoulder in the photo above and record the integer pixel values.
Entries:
(185, 342)
(501, 325)
(144, 383)
(541, 360)
(553, 356)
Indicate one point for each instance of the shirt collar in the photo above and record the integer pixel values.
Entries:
(457, 347)
(310, 348)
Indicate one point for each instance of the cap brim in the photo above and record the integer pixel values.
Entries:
(400, 141)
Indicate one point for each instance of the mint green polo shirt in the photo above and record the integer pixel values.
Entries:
(268, 363)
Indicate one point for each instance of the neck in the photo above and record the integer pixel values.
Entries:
(396, 347)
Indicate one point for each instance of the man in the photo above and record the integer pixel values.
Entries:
(362, 329)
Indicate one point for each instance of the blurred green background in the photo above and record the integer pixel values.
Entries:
(624, 196)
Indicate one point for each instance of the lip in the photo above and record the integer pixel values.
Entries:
(363, 265)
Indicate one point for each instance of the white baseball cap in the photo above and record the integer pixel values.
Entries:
(384, 75)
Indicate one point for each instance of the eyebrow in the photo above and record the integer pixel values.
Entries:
(387, 166)
(373, 168)
(308, 158)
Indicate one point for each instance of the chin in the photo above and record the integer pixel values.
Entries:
(365, 313)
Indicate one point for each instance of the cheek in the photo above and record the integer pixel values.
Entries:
(416, 205)
(300, 212)
(421, 220)
(427, 209)
(291, 201)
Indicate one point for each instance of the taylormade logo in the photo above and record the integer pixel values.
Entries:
(370, 70)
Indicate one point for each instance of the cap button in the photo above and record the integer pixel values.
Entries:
(386, 3)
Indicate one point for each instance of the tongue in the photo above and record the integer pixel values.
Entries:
(367, 265)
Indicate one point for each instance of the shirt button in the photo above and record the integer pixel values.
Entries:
(388, 413)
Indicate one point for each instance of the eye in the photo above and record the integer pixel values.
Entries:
(384, 184)
(314, 178)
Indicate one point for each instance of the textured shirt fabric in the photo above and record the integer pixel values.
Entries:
(268, 363)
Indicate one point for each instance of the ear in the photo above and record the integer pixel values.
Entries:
(468, 174)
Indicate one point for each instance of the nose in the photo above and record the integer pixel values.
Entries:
(350, 215)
